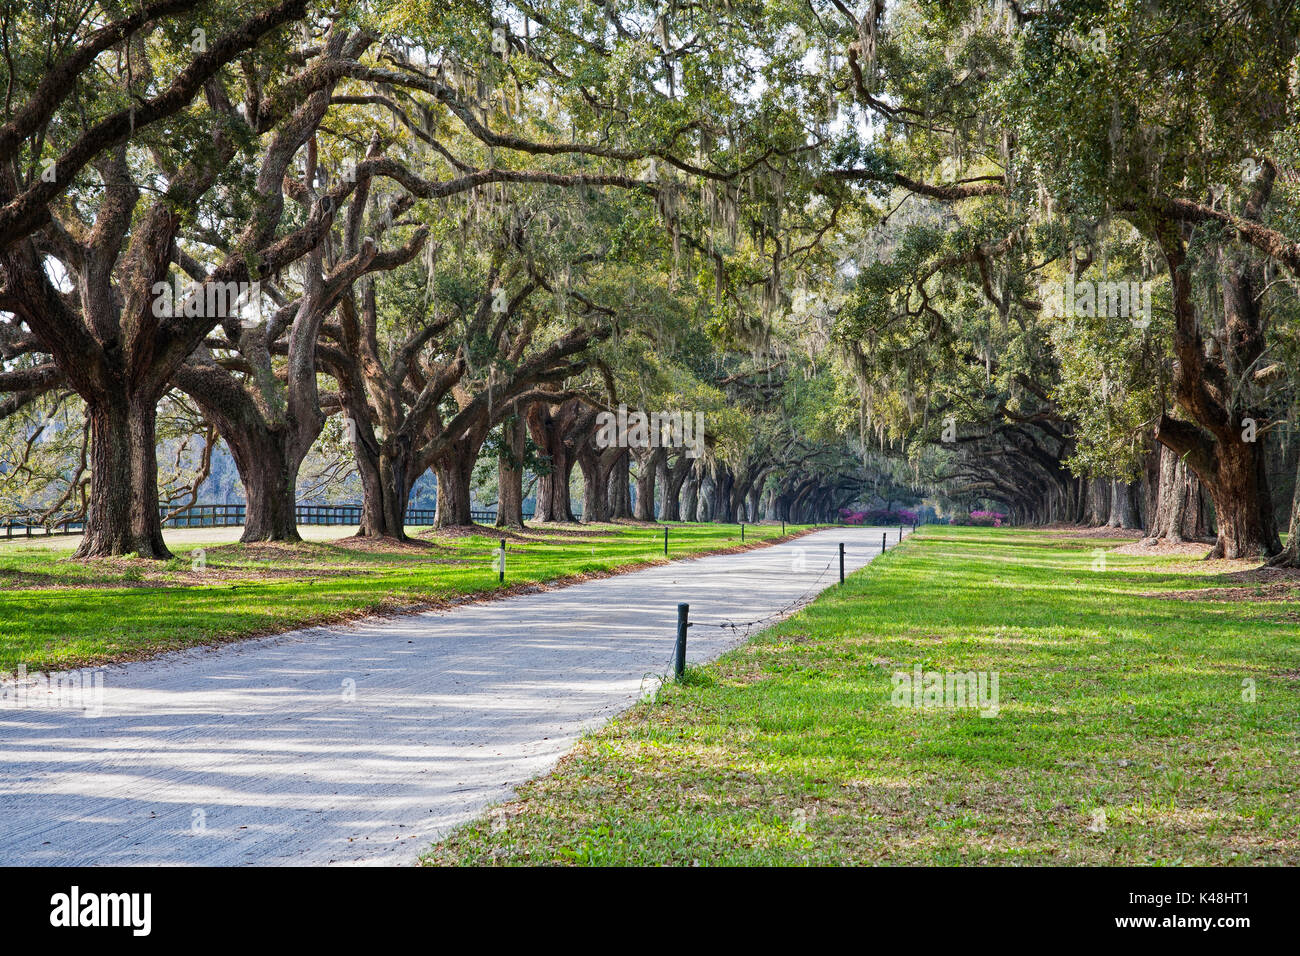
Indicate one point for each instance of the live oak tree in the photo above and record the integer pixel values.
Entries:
(74, 93)
(830, 227)
(1163, 146)
(513, 81)
(1064, 114)
(269, 409)
(77, 175)
(453, 346)
(87, 284)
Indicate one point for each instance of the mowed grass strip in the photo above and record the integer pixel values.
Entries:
(1124, 734)
(59, 613)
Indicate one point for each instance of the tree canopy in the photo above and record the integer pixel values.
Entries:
(974, 254)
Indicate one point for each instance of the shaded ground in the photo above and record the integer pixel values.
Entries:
(1074, 531)
(1190, 549)
(1251, 584)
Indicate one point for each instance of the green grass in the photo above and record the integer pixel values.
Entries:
(1115, 697)
(57, 612)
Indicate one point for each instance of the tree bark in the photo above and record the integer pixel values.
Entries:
(1234, 474)
(550, 430)
(620, 494)
(1098, 506)
(674, 479)
(647, 472)
(270, 479)
(690, 496)
(597, 464)
(1243, 506)
(1215, 442)
(385, 485)
(1123, 505)
(453, 471)
(510, 473)
(1176, 511)
(123, 516)
(267, 456)
(553, 501)
(704, 495)
(723, 509)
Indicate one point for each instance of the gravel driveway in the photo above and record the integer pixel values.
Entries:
(364, 743)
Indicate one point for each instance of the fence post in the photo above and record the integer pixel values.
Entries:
(841, 562)
(783, 527)
(679, 655)
(884, 537)
(665, 541)
(501, 571)
(742, 532)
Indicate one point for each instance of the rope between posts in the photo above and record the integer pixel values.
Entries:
(801, 601)
(798, 603)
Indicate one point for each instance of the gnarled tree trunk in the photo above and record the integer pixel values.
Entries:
(1175, 505)
(123, 516)
(550, 430)
(386, 480)
(270, 479)
(1098, 503)
(723, 509)
(1123, 505)
(596, 464)
(620, 492)
(553, 501)
(647, 471)
(1216, 442)
(674, 480)
(453, 463)
(453, 470)
(510, 473)
(1243, 505)
(267, 456)
(690, 496)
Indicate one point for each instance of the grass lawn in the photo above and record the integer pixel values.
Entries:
(58, 613)
(1124, 732)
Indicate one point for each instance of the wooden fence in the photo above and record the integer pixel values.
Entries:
(220, 516)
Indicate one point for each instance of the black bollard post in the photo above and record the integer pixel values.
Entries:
(841, 562)
(783, 527)
(501, 570)
(665, 541)
(742, 531)
(883, 538)
(679, 656)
